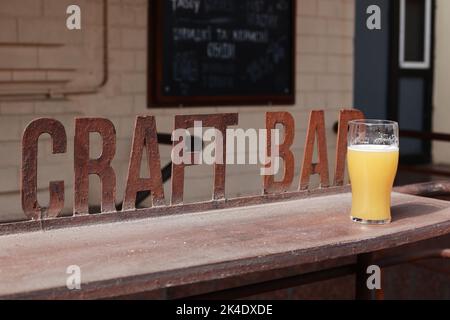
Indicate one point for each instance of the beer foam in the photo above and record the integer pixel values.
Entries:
(373, 148)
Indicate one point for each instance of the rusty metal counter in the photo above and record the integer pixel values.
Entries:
(127, 258)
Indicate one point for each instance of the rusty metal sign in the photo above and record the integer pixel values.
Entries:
(316, 127)
(100, 167)
(217, 121)
(28, 183)
(287, 121)
(145, 140)
(144, 137)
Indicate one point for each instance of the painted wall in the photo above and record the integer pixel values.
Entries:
(441, 114)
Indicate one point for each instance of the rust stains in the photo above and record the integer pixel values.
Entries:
(144, 137)
(287, 121)
(84, 166)
(217, 121)
(316, 127)
(28, 181)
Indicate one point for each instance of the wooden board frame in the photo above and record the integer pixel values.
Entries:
(155, 72)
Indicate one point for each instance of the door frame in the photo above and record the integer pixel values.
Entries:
(396, 72)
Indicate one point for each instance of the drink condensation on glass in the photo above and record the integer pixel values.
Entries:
(373, 151)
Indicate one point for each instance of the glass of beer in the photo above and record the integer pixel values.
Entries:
(373, 151)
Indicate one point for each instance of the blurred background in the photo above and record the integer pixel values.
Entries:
(108, 69)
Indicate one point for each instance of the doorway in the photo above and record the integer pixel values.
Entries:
(394, 69)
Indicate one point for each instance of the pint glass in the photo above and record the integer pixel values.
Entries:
(373, 151)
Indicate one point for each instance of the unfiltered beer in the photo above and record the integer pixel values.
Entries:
(372, 157)
(372, 170)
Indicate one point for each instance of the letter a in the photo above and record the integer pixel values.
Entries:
(374, 281)
(374, 20)
(74, 280)
(74, 20)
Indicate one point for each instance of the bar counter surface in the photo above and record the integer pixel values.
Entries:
(128, 258)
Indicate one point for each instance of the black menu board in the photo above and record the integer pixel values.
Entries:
(211, 52)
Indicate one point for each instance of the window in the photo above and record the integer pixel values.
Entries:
(415, 34)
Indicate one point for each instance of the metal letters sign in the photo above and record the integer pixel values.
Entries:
(145, 140)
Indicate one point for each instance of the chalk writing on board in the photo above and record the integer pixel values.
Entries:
(185, 67)
(250, 36)
(221, 50)
(223, 6)
(263, 20)
(264, 65)
(227, 47)
(205, 21)
(193, 5)
(192, 34)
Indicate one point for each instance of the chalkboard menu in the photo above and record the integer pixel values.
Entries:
(212, 52)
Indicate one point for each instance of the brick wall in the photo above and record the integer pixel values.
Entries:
(324, 81)
(441, 94)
